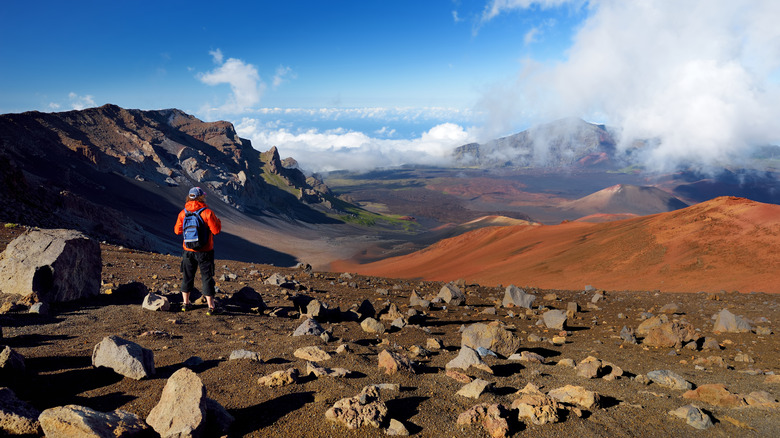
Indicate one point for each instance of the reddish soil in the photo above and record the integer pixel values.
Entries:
(724, 244)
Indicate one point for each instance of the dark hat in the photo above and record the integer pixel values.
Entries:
(196, 192)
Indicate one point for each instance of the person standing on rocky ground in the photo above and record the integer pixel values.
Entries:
(196, 257)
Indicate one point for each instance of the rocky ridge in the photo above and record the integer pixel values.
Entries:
(98, 169)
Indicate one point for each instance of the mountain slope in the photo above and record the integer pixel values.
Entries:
(122, 175)
(723, 244)
(625, 198)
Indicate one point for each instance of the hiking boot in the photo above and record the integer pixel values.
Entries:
(214, 311)
(185, 307)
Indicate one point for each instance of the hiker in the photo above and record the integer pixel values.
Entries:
(200, 253)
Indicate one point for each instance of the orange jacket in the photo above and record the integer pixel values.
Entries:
(208, 217)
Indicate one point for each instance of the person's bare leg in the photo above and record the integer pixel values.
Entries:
(185, 298)
(210, 301)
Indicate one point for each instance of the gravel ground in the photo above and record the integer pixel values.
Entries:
(58, 348)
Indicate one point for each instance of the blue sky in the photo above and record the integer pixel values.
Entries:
(376, 83)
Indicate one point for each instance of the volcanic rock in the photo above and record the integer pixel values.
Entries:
(11, 362)
(762, 399)
(514, 296)
(156, 302)
(183, 408)
(362, 409)
(396, 428)
(475, 388)
(491, 416)
(393, 362)
(536, 407)
(727, 322)
(55, 265)
(81, 421)
(694, 416)
(279, 378)
(671, 335)
(669, 379)
(715, 394)
(370, 325)
(468, 357)
(312, 354)
(554, 319)
(490, 336)
(452, 295)
(309, 327)
(576, 395)
(124, 357)
(320, 371)
(16, 416)
(245, 354)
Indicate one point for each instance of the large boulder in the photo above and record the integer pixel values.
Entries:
(125, 357)
(727, 322)
(452, 295)
(183, 409)
(516, 297)
(81, 421)
(55, 265)
(490, 336)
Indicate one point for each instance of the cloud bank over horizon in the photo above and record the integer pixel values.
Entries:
(699, 77)
(341, 149)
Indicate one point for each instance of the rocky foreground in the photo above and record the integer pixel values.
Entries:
(302, 353)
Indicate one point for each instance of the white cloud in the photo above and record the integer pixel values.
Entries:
(342, 149)
(495, 8)
(217, 55)
(80, 102)
(245, 84)
(282, 73)
(700, 76)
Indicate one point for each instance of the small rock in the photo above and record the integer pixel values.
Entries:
(669, 379)
(491, 416)
(309, 327)
(396, 428)
(576, 395)
(475, 388)
(393, 362)
(589, 367)
(280, 378)
(371, 325)
(362, 409)
(554, 319)
(715, 394)
(311, 354)
(694, 416)
(245, 354)
(514, 296)
(468, 357)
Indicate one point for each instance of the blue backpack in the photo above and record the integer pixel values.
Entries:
(196, 232)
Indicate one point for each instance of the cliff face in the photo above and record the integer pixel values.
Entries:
(78, 167)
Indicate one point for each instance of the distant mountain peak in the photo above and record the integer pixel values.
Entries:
(569, 142)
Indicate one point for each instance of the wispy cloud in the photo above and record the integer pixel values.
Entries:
(245, 84)
(80, 102)
(700, 76)
(282, 75)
